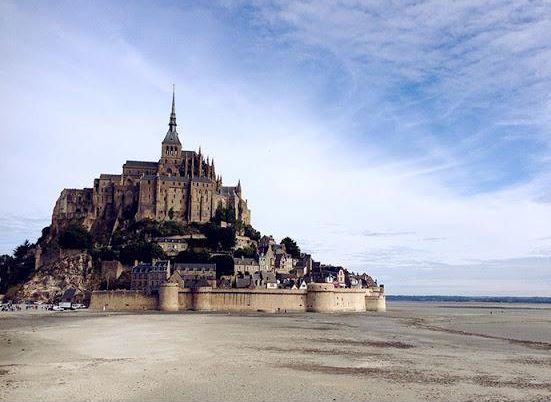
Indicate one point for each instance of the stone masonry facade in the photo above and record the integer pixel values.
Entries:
(182, 186)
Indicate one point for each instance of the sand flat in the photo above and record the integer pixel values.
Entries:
(415, 351)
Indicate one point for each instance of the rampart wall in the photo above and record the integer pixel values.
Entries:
(317, 298)
(122, 300)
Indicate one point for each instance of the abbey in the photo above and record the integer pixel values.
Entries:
(182, 186)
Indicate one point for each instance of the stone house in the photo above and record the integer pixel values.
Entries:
(149, 276)
(172, 245)
(266, 258)
(245, 265)
(283, 263)
(196, 274)
(303, 265)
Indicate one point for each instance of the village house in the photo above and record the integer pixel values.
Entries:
(266, 259)
(172, 245)
(196, 274)
(245, 265)
(303, 265)
(149, 276)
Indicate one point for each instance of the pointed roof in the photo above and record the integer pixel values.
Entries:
(238, 188)
(171, 136)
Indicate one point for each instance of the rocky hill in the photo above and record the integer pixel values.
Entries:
(74, 269)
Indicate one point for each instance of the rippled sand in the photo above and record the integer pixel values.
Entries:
(415, 351)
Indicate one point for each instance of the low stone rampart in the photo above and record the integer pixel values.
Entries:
(318, 297)
(122, 300)
(269, 300)
(375, 299)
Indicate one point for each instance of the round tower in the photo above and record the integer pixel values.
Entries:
(168, 296)
(320, 297)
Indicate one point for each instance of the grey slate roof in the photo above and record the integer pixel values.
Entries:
(245, 261)
(141, 164)
(188, 154)
(202, 179)
(171, 137)
(227, 190)
(159, 266)
(106, 176)
(183, 267)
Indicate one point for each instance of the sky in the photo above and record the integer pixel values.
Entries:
(410, 140)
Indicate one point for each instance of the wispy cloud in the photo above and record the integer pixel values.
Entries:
(404, 139)
(385, 234)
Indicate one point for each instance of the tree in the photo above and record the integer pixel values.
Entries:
(252, 233)
(75, 236)
(22, 250)
(17, 269)
(105, 254)
(171, 228)
(224, 264)
(141, 251)
(224, 214)
(188, 256)
(291, 247)
(247, 252)
(219, 238)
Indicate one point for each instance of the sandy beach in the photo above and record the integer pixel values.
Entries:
(415, 351)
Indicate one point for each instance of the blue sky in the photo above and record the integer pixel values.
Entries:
(406, 139)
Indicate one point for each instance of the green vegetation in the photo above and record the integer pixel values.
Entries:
(251, 233)
(224, 215)
(16, 269)
(224, 264)
(291, 247)
(219, 238)
(75, 236)
(141, 251)
(192, 257)
(247, 252)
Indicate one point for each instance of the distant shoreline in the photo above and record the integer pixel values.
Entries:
(475, 299)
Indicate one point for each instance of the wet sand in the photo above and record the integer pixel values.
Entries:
(415, 351)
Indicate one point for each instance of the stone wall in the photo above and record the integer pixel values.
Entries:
(375, 299)
(122, 300)
(317, 298)
(269, 300)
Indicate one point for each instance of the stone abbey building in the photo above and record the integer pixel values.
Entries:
(182, 186)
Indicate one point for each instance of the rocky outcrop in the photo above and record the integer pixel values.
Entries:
(73, 269)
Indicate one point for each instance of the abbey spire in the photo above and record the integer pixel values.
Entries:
(171, 136)
(172, 123)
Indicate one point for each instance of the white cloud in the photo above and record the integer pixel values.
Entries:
(101, 98)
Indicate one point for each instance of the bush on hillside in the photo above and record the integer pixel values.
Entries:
(75, 236)
(142, 252)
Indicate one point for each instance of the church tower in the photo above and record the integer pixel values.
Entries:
(171, 148)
